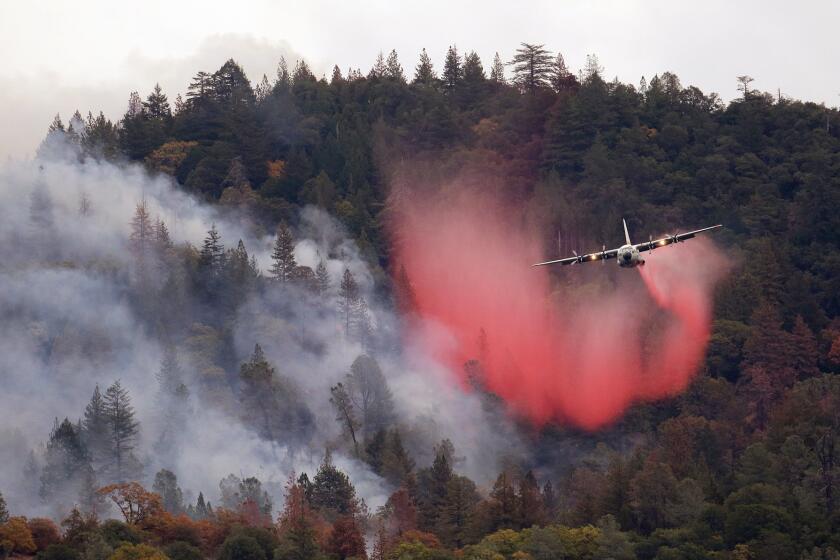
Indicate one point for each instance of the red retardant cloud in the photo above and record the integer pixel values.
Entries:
(581, 353)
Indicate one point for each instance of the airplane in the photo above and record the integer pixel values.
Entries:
(628, 255)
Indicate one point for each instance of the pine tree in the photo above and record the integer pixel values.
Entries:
(432, 486)
(379, 69)
(141, 241)
(497, 71)
(302, 73)
(453, 73)
(171, 400)
(332, 492)
(503, 500)
(532, 67)
(336, 78)
(593, 69)
(4, 512)
(156, 105)
(322, 278)
(283, 255)
(296, 525)
(283, 82)
(56, 125)
(561, 78)
(123, 430)
(531, 510)
(212, 252)
(393, 68)
(201, 509)
(257, 394)
(345, 413)
(549, 500)
(369, 392)
(66, 464)
(263, 89)
(95, 432)
(135, 106)
(348, 294)
(457, 511)
(473, 69)
(424, 72)
(166, 486)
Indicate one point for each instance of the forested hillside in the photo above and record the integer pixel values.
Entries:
(745, 464)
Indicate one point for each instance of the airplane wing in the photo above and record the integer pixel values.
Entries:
(589, 257)
(647, 246)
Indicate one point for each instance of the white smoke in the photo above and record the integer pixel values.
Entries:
(67, 325)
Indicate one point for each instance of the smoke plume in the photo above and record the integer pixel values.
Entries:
(69, 323)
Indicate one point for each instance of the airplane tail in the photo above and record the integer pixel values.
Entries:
(626, 235)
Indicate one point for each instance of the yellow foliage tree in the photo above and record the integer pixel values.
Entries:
(137, 552)
(169, 156)
(17, 532)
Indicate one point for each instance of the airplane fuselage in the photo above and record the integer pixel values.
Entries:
(629, 257)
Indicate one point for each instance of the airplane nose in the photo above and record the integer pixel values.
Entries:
(627, 257)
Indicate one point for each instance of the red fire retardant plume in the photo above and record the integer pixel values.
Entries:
(582, 353)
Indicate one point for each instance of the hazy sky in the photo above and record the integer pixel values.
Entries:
(59, 56)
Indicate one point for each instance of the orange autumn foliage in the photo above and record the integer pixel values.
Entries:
(44, 532)
(16, 531)
(276, 168)
(134, 502)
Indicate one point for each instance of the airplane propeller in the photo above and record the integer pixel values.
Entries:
(603, 254)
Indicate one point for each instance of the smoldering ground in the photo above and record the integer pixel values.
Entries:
(70, 321)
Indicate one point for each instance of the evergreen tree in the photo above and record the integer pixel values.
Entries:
(172, 401)
(296, 526)
(593, 69)
(332, 493)
(345, 413)
(4, 512)
(497, 70)
(549, 501)
(66, 464)
(393, 68)
(123, 431)
(212, 253)
(457, 511)
(368, 390)
(424, 72)
(379, 69)
(96, 432)
(348, 294)
(56, 125)
(504, 506)
(263, 90)
(561, 78)
(302, 74)
(531, 510)
(432, 487)
(322, 278)
(166, 486)
(453, 73)
(473, 69)
(156, 105)
(532, 67)
(336, 78)
(283, 255)
(283, 82)
(141, 241)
